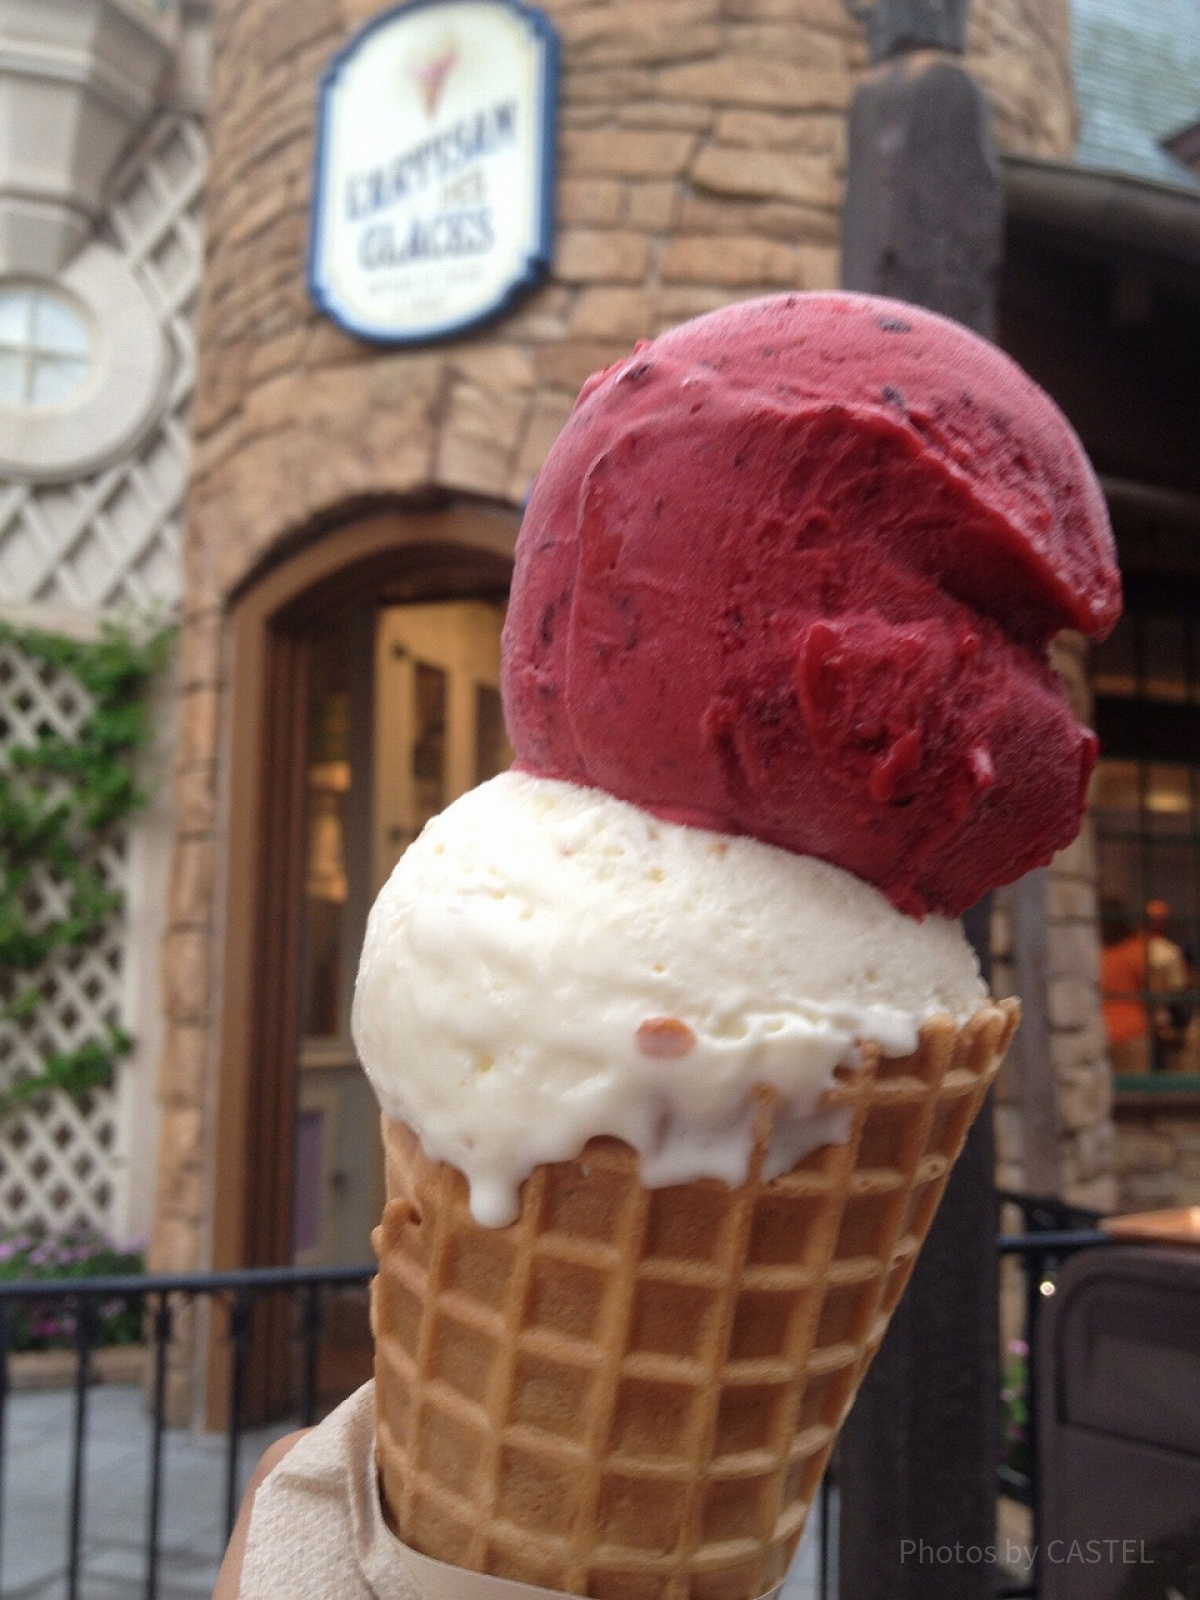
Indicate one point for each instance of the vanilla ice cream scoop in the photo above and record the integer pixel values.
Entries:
(548, 963)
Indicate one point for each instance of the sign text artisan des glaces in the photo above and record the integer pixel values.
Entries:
(432, 203)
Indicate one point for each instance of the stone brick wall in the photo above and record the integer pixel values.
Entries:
(1158, 1152)
(1072, 1051)
(1079, 1045)
(683, 183)
(1019, 50)
(701, 159)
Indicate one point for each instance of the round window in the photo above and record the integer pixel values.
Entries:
(45, 346)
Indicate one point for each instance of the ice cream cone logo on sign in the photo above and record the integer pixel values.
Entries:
(431, 71)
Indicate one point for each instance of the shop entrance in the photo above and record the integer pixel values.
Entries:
(366, 698)
(403, 716)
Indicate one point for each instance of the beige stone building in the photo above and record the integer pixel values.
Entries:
(353, 506)
(101, 192)
(353, 510)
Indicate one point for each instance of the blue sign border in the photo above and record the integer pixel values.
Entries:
(537, 263)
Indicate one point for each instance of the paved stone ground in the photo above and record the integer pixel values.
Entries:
(37, 1467)
(34, 1531)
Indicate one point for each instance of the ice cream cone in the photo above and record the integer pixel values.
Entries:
(634, 1392)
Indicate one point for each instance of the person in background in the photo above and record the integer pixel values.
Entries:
(1144, 979)
(1124, 984)
(1166, 975)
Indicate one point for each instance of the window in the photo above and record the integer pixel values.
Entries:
(85, 368)
(1146, 807)
(45, 346)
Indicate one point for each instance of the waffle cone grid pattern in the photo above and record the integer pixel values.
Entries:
(632, 1393)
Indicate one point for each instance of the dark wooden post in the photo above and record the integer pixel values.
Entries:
(917, 1461)
(924, 214)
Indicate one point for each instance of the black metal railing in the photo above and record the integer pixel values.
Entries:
(161, 1298)
(1049, 1233)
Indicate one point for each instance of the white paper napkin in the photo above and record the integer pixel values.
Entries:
(317, 1531)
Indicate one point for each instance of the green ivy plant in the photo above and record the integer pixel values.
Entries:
(62, 799)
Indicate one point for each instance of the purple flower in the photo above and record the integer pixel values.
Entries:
(45, 1327)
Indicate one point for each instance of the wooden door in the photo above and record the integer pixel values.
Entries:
(274, 1111)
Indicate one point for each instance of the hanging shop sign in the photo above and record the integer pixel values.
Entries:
(433, 191)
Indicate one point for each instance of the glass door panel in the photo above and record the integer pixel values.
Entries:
(328, 778)
(1148, 840)
(403, 716)
(338, 1169)
(439, 729)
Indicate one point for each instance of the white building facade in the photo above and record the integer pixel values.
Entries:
(101, 188)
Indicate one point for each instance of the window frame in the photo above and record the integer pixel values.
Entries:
(1155, 730)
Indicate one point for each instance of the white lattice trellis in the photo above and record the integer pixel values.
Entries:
(111, 539)
(56, 1156)
(114, 538)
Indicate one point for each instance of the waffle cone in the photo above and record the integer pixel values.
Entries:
(632, 1393)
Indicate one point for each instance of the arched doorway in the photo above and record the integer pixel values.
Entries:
(363, 697)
